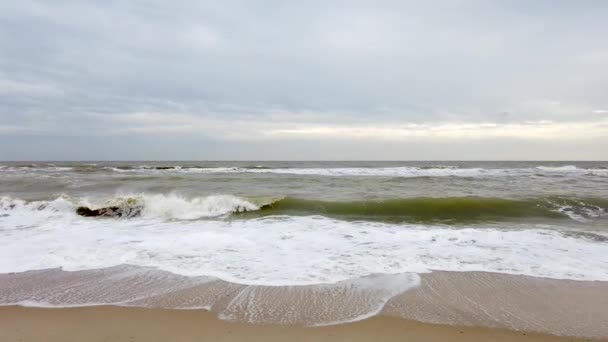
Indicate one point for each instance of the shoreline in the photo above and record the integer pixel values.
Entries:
(113, 323)
(456, 299)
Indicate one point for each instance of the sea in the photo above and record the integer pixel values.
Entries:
(370, 227)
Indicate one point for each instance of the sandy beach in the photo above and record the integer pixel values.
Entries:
(443, 304)
(107, 323)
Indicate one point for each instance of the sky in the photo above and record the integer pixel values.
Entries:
(303, 80)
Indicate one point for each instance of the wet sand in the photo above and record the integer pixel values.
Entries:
(475, 302)
(106, 323)
(553, 306)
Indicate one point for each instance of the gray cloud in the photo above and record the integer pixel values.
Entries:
(227, 73)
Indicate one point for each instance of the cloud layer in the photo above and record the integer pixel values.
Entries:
(277, 80)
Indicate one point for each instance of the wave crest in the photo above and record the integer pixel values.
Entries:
(449, 210)
(181, 208)
(455, 209)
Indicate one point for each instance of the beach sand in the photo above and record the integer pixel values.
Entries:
(107, 323)
(167, 307)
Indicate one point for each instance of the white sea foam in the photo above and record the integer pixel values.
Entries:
(178, 207)
(581, 212)
(281, 250)
(345, 301)
(404, 171)
(158, 206)
(48, 168)
(387, 172)
(566, 168)
(341, 302)
(17, 213)
(353, 171)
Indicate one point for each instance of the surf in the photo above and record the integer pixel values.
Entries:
(446, 210)
(299, 250)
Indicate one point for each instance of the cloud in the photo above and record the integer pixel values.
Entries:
(235, 70)
(27, 88)
(542, 130)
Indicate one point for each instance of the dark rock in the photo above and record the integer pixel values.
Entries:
(110, 211)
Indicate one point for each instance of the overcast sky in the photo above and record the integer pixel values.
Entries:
(303, 80)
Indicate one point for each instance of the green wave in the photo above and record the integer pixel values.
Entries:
(449, 209)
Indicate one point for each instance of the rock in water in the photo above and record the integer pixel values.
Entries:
(110, 211)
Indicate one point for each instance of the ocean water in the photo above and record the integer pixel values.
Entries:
(289, 223)
(295, 224)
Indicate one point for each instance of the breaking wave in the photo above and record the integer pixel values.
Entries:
(448, 210)
(158, 206)
(457, 209)
(399, 171)
(297, 250)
